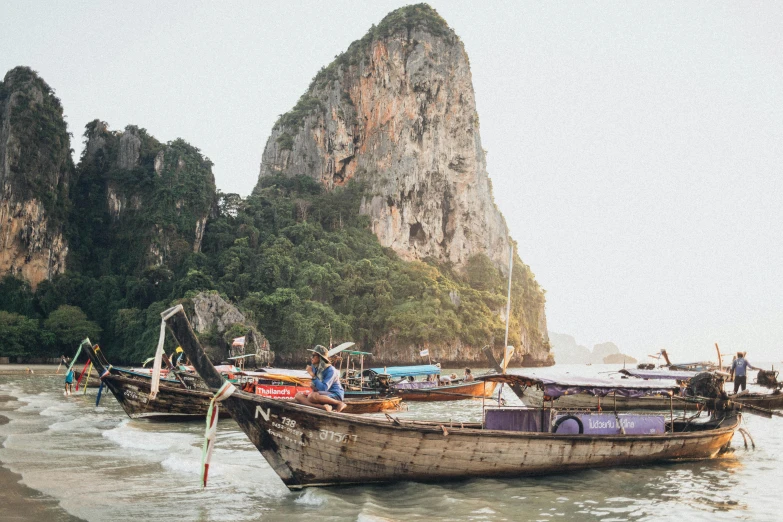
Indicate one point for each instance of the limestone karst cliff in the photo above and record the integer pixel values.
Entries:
(411, 256)
(397, 112)
(131, 189)
(35, 172)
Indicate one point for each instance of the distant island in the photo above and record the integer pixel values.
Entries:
(566, 351)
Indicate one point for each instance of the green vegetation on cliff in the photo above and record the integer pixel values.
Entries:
(39, 154)
(157, 203)
(303, 266)
(146, 228)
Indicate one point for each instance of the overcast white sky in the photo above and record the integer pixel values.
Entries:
(635, 148)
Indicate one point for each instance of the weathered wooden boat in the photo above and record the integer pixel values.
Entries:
(310, 447)
(383, 380)
(534, 396)
(449, 392)
(132, 390)
(186, 397)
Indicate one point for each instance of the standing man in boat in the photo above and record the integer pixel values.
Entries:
(327, 391)
(739, 370)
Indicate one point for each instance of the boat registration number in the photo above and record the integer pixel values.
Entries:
(135, 396)
(285, 428)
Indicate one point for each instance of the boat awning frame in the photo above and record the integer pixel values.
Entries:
(404, 371)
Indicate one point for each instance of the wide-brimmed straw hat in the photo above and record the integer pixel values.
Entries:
(321, 352)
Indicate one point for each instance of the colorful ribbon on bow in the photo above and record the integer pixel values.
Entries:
(210, 435)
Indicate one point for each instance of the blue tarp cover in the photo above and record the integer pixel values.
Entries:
(405, 371)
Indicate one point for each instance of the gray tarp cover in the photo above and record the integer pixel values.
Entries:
(569, 385)
(679, 375)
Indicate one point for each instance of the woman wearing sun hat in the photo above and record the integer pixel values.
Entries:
(327, 391)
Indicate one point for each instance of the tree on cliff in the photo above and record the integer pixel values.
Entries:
(69, 325)
(19, 335)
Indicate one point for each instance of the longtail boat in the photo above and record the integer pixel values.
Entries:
(383, 379)
(310, 447)
(534, 396)
(183, 396)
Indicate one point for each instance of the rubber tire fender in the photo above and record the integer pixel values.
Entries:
(564, 418)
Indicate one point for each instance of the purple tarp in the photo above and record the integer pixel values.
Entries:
(607, 424)
(518, 419)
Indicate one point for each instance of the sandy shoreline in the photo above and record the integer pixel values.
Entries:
(31, 369)
(18, 503)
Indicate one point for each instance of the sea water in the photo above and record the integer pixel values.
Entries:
(100, 465)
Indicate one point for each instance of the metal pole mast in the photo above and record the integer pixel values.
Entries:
(508, 301)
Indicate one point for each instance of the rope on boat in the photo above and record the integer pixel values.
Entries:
(743, 438)
(210, 435)
(393, 419)
(744, 432)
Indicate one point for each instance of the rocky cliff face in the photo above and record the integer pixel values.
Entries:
(214, 319)
(155, 197)
(397, 111)
(35, 172)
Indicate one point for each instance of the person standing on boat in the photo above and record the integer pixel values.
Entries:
(739, 369)
(327, 391)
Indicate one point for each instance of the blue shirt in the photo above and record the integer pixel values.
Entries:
(740, 366)
(329, 381)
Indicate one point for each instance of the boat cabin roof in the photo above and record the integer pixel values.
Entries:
(570, 385)
(404, 371)
(264, 372)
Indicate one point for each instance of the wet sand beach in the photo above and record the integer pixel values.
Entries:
(18, 503)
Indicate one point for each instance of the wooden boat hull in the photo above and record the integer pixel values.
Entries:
(361, 406)
(534, 398)
(312, 447)
(307, 447)
(769, 401)
(176, 403)
(171, 403)
(456, 392)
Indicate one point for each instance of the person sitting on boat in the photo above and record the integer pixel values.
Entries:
(468, 375)
(327, 391)
(445, 380)
(739, 369)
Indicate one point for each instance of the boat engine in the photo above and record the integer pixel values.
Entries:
(381, 382)
(768, 378)
(707, 385)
